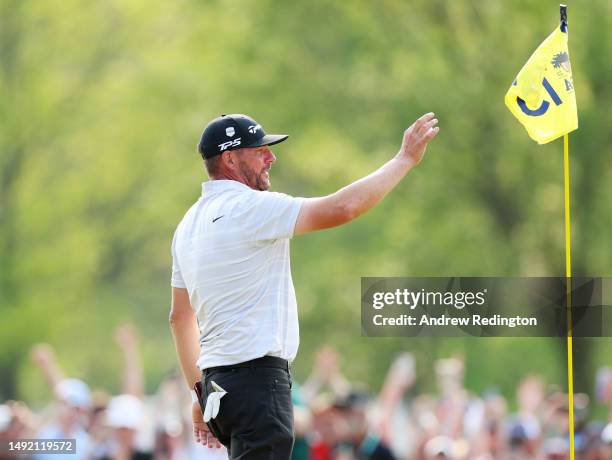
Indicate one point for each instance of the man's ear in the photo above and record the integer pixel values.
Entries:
(231, 157)
(226, 159)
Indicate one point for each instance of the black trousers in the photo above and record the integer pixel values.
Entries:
(255, 419)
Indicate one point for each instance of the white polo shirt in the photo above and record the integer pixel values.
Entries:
(231, 253)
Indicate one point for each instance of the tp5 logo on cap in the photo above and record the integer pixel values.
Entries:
(226, 145)
(248, 132)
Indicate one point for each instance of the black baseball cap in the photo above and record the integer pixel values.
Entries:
(235, 131)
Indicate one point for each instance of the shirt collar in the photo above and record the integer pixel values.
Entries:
(221, 185)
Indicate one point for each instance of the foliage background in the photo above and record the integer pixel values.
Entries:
(102, 105)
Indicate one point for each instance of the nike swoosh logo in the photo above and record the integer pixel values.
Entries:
(217, 218)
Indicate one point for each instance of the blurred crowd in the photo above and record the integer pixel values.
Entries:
(334, 419)
(349, 422)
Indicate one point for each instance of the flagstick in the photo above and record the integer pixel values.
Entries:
(568, 278)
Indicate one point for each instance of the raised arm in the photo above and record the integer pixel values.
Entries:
(44, 357)
(400, 378)
(325, 374)
(355, 199)
(132, 378)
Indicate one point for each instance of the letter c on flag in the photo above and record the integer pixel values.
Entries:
(544, 105)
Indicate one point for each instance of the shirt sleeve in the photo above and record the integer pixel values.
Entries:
(271, 215)
(177, 280)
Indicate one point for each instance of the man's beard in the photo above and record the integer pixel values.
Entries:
(255, 180)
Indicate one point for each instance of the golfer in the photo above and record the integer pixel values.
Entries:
(234, 313)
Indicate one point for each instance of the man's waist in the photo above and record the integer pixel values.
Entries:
(264, 361)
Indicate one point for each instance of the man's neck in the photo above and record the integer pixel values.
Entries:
(227, 175)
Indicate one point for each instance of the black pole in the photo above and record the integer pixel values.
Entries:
(563, 13)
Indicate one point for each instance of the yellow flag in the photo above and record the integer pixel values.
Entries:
(542, 95)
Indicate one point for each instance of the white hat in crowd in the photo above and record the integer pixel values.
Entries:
(606, 434)
(125, 411)
(75, 392)
(6, 417)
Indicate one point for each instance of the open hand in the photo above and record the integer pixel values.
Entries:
(42, 354)
(417, 136)
(126, 335)
(327, 365)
